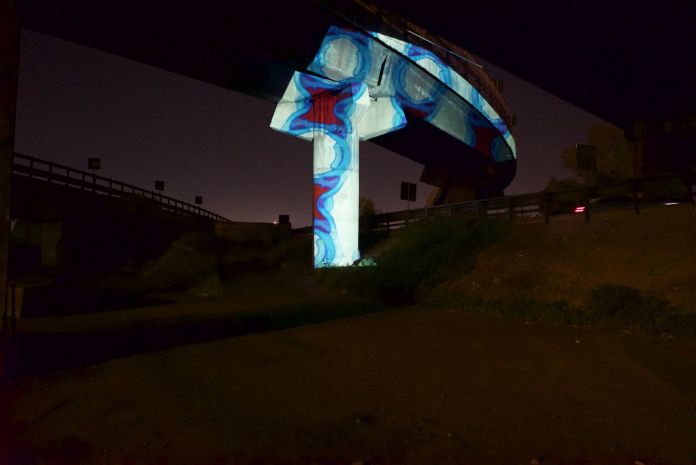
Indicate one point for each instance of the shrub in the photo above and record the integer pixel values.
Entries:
(187, 259)
(420, 257)
(622, 306)
(524, 309)
(295, 253)
(616, 307)
(370, 238)
(678, 324)
(209, 286)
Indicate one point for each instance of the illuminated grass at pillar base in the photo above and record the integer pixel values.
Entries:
(370, 82)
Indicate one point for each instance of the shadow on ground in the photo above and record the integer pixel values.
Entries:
(32, 353)
(57, 300)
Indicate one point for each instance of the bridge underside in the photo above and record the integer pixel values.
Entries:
(629, 64)
(253, 51)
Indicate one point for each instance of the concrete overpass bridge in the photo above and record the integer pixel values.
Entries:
(72, 218)
(341, 72)
(256, 51)
(630, 64)
(616, 62)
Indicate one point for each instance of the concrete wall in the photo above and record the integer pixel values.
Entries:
(43, 235)
(83, 231)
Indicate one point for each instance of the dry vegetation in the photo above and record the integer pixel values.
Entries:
(654, 252)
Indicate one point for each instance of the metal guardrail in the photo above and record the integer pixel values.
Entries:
(54, 173)
(520, 206)
(640, 190)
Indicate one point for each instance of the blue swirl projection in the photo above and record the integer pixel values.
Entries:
(418, 102)
(343, 56)
(326, 111)
(372, 82)
(421, 56)
(431, 64)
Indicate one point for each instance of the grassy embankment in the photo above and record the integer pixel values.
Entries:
(619, 271)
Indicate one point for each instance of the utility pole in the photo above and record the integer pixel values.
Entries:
(9, 60)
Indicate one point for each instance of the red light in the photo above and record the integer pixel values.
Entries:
(579, 209)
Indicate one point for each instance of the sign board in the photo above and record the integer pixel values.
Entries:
(408, 191)
(198, 200)
(283, 219)
(159, 185)
(93, 163)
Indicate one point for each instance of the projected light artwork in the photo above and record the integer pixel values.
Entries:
(363, 86)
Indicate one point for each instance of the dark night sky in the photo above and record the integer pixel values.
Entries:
(145, 123)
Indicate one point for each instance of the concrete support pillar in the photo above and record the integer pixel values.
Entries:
(335, 116)
(336, 199)
(9, 59)
(328, 114)
(336, 112)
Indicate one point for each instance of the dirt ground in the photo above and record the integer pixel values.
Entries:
(244, 379)
(654, 251)
(410, 385)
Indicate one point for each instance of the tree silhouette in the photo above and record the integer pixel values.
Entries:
(614, 159)
(614, 155)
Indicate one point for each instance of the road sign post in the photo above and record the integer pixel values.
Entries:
(93, 164)
(159, 187)
(408, 193)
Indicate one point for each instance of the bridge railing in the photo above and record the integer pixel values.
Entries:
(520, 206)
(658, 189)
(54, 173)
